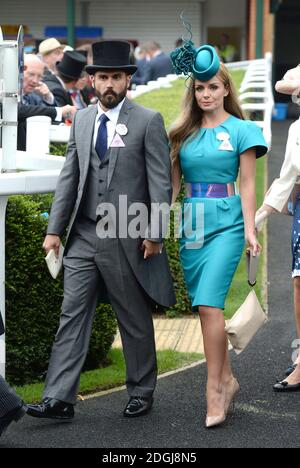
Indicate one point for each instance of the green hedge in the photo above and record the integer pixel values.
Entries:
(33, 299)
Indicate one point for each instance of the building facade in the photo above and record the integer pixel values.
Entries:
(140, 20)
(254, 26)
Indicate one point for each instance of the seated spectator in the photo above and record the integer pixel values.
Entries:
(159, 64)
(34, 90)
(69, 70)
(57, 114)
(37, 99)
(51, 51)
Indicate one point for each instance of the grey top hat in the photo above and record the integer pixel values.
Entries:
(111, 55)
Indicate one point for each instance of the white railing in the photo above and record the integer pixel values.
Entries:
(162, 82)
(20, 172)
(256, 90)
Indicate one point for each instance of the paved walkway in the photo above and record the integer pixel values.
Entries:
(179, 334)
(262, 418)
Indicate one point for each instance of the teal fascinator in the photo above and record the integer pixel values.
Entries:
(206, 63)
(183, 58)
(202, 63)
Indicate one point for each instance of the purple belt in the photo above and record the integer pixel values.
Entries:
(205, 190)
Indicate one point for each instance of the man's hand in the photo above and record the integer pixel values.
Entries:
(151, 248)
(51, 242)
(43, 90)
(68, 111)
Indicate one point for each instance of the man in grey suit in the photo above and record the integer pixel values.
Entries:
(11, 405)
(117, 159)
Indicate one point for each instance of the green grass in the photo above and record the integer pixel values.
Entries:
(165, 101)
(114, 374)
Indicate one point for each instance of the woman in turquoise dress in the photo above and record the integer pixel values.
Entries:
(211, 144)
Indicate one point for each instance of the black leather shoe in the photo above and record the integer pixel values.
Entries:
(13, 415)
(286, 387)
(137, 406)
(290, 369)
(51, 408)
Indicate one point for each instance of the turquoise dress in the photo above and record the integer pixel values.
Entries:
(212, 230)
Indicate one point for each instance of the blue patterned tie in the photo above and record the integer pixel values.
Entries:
(101, 142)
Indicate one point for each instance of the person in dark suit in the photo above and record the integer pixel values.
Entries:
(117, 150)
(142, 63)
(12, 407)
(31, 110)
(160, 63)
(37, 99)
(69, 70)
(35, 91)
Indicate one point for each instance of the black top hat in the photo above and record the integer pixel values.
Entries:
(82, 52)
(71, 64)
(111, 55)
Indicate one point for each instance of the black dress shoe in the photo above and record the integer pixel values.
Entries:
(13, 415)
(286, 387)
(52, 409)
(290, 369)
(137, 406)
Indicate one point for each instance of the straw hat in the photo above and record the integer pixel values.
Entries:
(48, 45)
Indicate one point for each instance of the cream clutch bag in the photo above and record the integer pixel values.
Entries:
(249, 318)
(54, 263)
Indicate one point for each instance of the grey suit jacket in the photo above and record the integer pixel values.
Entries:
(141, 170)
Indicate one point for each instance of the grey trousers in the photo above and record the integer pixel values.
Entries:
(9, 400)
(89, 263)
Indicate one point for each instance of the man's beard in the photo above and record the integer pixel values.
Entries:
(110, 99)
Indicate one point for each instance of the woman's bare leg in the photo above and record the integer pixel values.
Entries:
(218, 368)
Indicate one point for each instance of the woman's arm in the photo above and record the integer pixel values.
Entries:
(248, 196)
(176, 180)
(290, 83)
(280, 190)
(288, 86)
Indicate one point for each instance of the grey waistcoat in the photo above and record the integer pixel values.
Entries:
(96, 185)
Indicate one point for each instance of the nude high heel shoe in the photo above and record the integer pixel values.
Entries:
(212, 421)
(230, 395)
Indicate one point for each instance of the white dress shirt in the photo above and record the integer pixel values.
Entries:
(113, 115)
